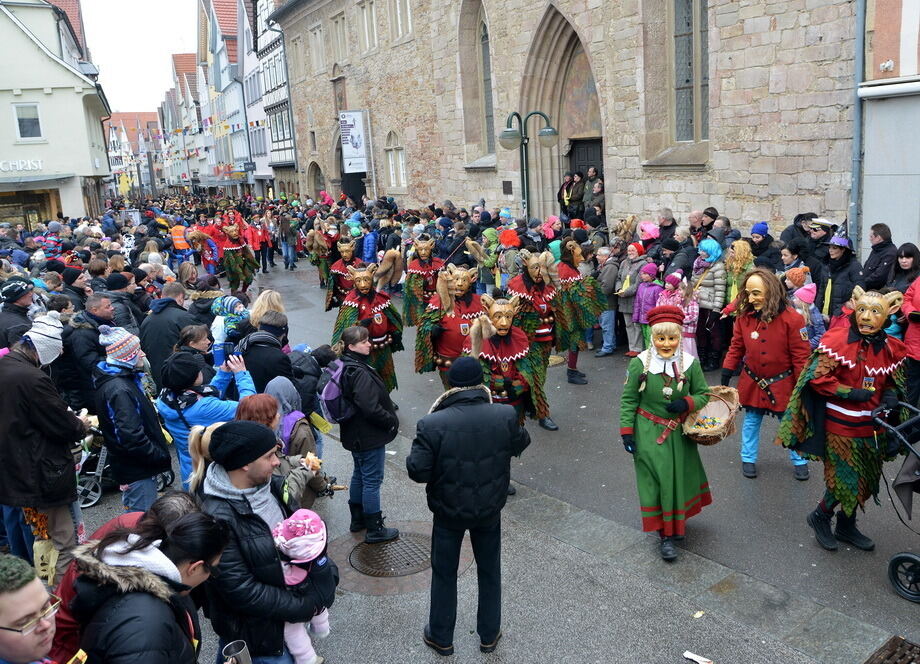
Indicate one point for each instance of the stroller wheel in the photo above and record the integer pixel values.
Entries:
(165, 480)
(89, 491)
(904, 574)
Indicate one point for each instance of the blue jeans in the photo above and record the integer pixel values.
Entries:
(289, 252)
(608, 321)
(320, 442)
(283, 658)
(18, 532)
(139, 496)
(750, 440)
(185, 459)
(483, 288)
(367, 478)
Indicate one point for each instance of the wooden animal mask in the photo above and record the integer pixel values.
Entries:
(871, 310)
(363, 277)
(501, 312)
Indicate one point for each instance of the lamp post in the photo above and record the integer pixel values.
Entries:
(511, 138)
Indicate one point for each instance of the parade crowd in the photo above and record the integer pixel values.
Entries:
(139, 331)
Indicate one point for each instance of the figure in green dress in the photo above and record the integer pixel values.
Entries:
(663, 385)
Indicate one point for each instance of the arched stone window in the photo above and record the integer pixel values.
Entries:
(476, 81)
(396, 161)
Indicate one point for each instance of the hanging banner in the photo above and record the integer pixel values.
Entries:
(354, 142)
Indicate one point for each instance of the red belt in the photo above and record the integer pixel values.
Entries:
(669, 425)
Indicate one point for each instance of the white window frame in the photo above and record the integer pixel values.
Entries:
(317, 55)
(400, 19)
(41, 126)
(396, 161)
(367, 28)
(339, 38)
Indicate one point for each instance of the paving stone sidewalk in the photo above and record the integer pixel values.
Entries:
(580, 588)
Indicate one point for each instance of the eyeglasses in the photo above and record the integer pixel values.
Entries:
(46, 614)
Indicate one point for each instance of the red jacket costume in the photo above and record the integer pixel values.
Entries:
(860, 365)
(341, 279)
(536, 308)
(455, 338)
(501, 354)
(773, 353)
(371, 306)
(429, 273)
(912, 334)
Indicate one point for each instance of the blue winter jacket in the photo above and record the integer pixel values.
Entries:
(369, 248)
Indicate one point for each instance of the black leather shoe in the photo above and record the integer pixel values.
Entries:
(801, 472)
(575, 379)
(749, 470)
(444, 651)
(820, 522)
(490, 647)
(548, 424)
(511, 490)
(667, 549)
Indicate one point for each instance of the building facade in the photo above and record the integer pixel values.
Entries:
(745, 106)
(891, 101)
(134, 155)
(54, 148)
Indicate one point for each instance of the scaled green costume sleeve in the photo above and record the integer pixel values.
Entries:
(579, 306)
(347, 317)
(413, 299)
(424, 345)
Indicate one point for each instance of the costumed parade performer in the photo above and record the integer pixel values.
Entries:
(240, 263)
(206, 248)
(510, 370)
(364, 305)
(421, 279)
(663, 385)
(769, 348)
(319, 243)
(340, 283)
(536, 290)
(579, 303)
(856, 371)
(444, 330)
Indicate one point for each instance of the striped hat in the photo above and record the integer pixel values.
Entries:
(121, 347)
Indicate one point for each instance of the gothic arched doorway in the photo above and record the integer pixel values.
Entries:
(559, 81)
(315, 181)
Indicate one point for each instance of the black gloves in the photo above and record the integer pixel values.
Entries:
(858, 394)
(893, 447)
(366, 322)
(726, 377)
(914, 316)
(889, 400)
(677, 406)
(629, 443)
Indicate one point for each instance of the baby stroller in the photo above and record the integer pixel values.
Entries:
(94, 476)
(904, 568)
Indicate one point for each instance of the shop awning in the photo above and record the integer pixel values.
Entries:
(32, 179)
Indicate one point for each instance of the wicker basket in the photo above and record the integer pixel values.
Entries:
(723, 404)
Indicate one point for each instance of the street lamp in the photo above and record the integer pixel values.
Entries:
(512, 137)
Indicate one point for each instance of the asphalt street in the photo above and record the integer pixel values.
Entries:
(754, 526)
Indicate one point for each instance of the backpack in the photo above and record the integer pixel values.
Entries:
(331, 388)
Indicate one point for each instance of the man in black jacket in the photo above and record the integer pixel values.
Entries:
(883, 255)
(36, 434)
(16, 293)
(72, 372)
(462, 451)
(76, 283)
(118, 290)
(160, 330)
(130, 426)
(248, 598)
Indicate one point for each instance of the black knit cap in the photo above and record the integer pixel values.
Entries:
(239, 442)
(671, 244)
(464, 372)
(180, 370)
(70, 275)
(116, 281)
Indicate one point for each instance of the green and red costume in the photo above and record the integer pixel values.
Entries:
(419, 287)
(323, 259)
(670, 477)
(443, 337)
(339, 283)
(536, 316)
(384, 325)
(511, 372)
(578, 304)
(822, 424)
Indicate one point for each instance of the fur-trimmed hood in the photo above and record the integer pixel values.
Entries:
(458, 390)
(206, 295)
(122, 579)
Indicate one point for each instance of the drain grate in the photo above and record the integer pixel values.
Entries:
(896, 651)
(410, 554)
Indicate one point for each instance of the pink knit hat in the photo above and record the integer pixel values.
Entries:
(807, 293)
(674, 278)
(648, 230)
(301, 537)
(649, 268)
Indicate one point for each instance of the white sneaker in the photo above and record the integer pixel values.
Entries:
(318, 634)
(316, 660)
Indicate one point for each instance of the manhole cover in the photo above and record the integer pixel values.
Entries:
(896, 651)
(410, 554)
(384, 569)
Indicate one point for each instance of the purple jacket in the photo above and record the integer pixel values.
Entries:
(646, 298)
